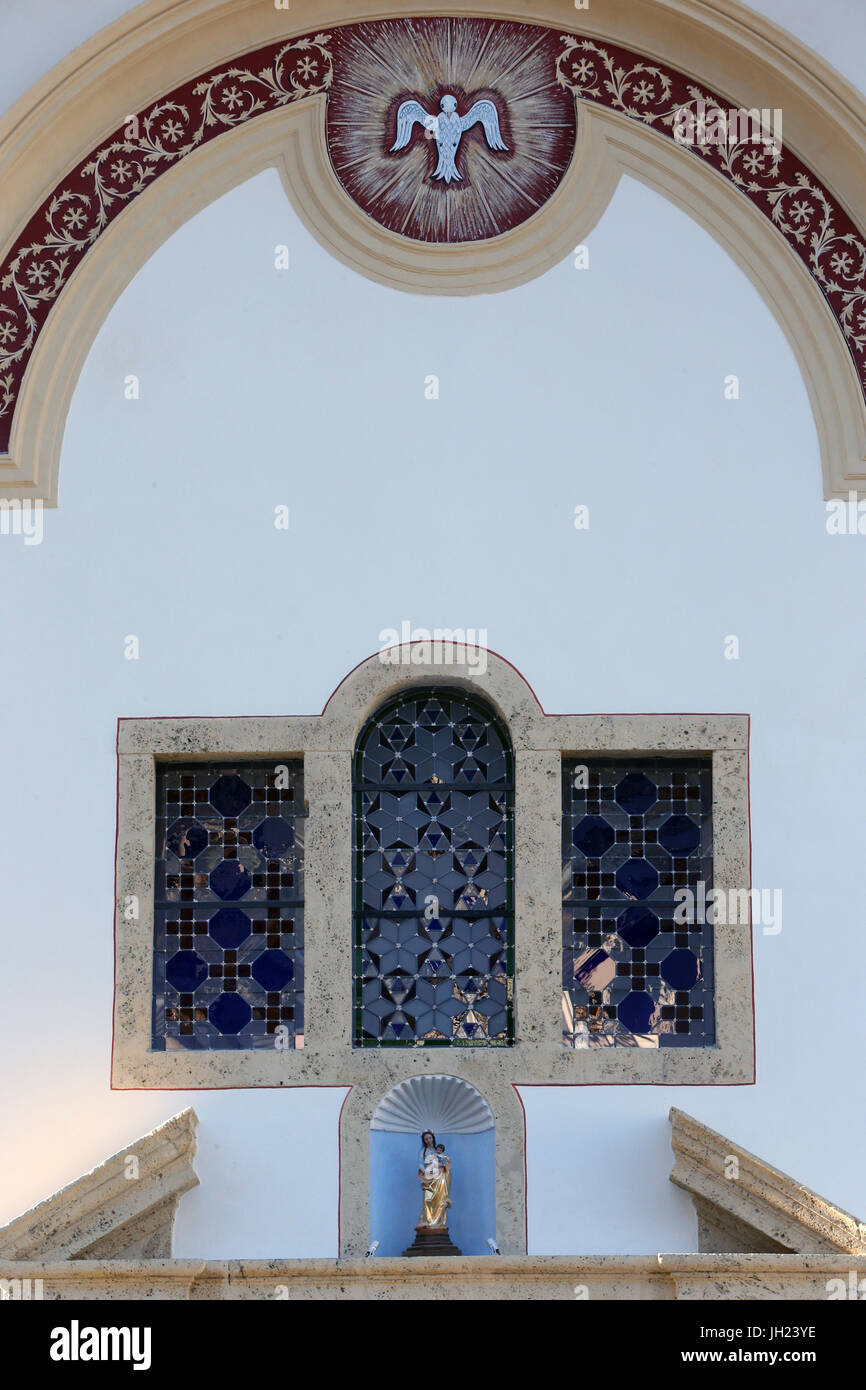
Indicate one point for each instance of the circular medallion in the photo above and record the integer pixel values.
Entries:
(449, 130)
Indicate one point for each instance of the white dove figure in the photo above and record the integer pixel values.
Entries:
(446, 129)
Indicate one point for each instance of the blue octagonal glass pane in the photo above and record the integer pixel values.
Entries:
(186, 971)
(636, 1011)
(679, 835)
(638, 926)
(273, 970)
(230, 880)
(230, 1013)
(635, 793)
(273, 837)
(229, 927)
(230, 795)
(637, 878)
(186, 838)
(593, 836)
(680, 969)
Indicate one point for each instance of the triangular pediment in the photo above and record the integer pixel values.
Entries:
(745, 1205)
(122, 1209)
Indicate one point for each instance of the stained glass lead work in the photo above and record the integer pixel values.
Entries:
(229, 906)
(634, 832)
(433, 877)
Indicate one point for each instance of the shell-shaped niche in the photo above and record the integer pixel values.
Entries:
(444, 1104)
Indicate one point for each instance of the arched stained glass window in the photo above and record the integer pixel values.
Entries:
(433, 876)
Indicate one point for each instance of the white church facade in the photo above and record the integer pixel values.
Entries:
(431, 471)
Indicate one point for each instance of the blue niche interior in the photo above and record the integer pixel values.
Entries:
(395, 1192)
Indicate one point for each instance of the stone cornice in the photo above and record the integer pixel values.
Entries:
(118, 1208)
(607, 1278)
(769, 1202)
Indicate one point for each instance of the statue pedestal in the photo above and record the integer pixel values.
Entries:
(432, 1240)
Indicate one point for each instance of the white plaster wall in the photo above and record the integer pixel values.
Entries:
(601, 387)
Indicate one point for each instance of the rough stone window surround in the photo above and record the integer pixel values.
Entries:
(326, 743)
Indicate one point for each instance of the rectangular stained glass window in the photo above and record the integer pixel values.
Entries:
(229, 906)
(634, 832)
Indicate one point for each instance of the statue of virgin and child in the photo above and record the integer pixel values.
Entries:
(434, 1173)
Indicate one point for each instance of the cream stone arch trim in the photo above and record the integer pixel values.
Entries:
(162, 43)
(802, 312)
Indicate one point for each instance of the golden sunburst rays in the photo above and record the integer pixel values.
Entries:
(384, 63)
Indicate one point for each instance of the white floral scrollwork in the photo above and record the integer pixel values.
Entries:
(795, 202)
(152, 142)
(53, 244)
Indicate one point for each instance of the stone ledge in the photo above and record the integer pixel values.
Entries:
(107, 1213)
(605, 1278)
(762, 1204)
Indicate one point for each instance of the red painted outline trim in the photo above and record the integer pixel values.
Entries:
(515, 1087)
(340, 1174)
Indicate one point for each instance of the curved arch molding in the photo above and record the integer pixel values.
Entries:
(536, 123)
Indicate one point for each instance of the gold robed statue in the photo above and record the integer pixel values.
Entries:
(434, 1172)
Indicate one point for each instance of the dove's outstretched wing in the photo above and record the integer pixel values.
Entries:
(486, 113)
(410, 113)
